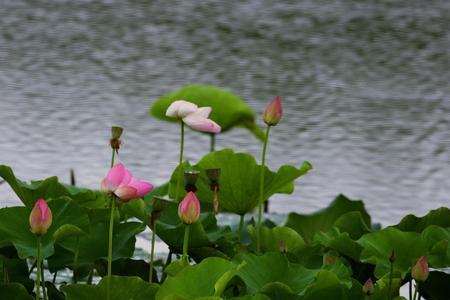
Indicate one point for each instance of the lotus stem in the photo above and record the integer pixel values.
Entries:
(75, 261)
(152, 254)
(415, 291)
(38, 272)
(212, 146)
(391, 273)
(185, 243)
(241, 226)
(261, 191)
(113, 156)
(43, 281)
(110, 242)
(180, 163)
(54, 277)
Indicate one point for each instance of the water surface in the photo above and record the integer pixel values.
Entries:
(365, 87)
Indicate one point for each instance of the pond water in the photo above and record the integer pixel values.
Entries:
(365, 87)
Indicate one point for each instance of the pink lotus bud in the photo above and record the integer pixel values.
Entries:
(273, 112)
(40, 217)
(368, 287)
(121, 183)
(189, 209)
(420, 271)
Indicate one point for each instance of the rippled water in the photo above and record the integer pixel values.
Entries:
(365, 86)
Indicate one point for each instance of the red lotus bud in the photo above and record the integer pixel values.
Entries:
(189, 209)
(40, 217)
(273, 112)
(420, 271)
(368, 287)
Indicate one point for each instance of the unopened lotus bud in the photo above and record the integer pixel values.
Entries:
(189, 209)
(420, 271)
(392, 256)
(329, 259)
(283, 246)
(368, 287)
(273, 112)
(40, 218)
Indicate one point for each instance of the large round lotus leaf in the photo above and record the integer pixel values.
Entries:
(121, 288)
(323, 220)
(239, 180)
(327, 285)
(228, 109)
(274, 238)
(15, 227)
(29, 193)
(340, 242)
(94, 245)
(407, 246)
(271, 267)
(439, 217)
(14, 291)
(437, 239)
(201, 280)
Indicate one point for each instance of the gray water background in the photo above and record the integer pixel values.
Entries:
(364, 84)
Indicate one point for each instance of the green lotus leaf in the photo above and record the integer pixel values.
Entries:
(15, 270)
(273, 238)
(239, 180)
(15, 227)
(323, 220)
(439, 217)
(204, 233)
(14, 291)
(327, 285)
(228, 109)
(340, 242)
(436, 287)
(28, 193)
(201, 280)
(437, 239)
(408, 247)
(94, 245)
(381, 288)
(122, 288)
(274, 267)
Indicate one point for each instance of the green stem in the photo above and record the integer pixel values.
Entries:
(180, 163)
(75, 261)
(241, 226)
(113, 156)
(38, 272)
(212, 146)
(391, 273)
(54, 277)
(111, 226)
(261, 191)
(185, 243)
(415, 292)
(43, 282)
(152, 254)
(90, 277)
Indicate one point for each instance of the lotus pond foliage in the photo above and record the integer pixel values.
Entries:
(335, 253)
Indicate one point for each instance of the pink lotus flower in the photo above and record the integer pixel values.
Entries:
(40, 217)
(273, 112)
(189, 209)
(193, 116)
(121, 183)
(420, 271)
